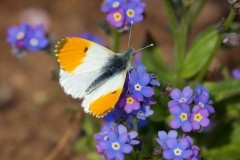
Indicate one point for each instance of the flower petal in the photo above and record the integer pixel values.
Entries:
(168, 154)
(175, 123)
(187, 92)
(144, 79)
(176, 110)
(183, 144)
(122, 129)
(126, 148)
(205, 122)
(133, 79)
(187, 126)
(147, 91)
(176, 94)
(186, 154)
(123, 138)
(171, 143)
(172, 134)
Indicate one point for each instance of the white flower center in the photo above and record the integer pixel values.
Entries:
(34, 42)
(115, 4)
(177, 151)
(137, 87)
(182, 100)
(115, 145)
(20, 35)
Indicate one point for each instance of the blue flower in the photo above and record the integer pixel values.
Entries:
(121, 13)
(199, 118)
(27, 38)
(181, 118)
(17, 34)
(179, 98)
(177, 149)
(114, 142)
(36, 39)
(91, 37)
(109, 5)
(202, 98)
(144, 112)
(163, 136)
(138, 85)
(133, 12)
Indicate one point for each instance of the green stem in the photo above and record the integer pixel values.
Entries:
(199, 8)
(226, 25)
(171, 15)
(116, 40)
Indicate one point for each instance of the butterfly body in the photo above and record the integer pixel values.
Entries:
(92, 73)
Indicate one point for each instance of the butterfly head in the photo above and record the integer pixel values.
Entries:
(130, 53)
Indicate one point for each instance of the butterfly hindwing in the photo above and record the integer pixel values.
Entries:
(103, 99)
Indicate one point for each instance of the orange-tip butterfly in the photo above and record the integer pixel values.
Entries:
(92, 73)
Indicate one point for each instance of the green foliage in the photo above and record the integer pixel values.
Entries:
(199, 53)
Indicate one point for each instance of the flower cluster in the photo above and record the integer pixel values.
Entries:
(180, 107)
(137, 95)
(27, 38)
(121, 13)
(177, 148)
(114, 142)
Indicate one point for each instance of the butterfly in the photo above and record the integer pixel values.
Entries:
(93, 73)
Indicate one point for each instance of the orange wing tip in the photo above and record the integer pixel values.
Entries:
(60, 45)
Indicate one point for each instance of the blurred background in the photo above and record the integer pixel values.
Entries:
(34, 111)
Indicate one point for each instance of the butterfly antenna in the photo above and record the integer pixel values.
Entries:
(150, 45)
(130, 34)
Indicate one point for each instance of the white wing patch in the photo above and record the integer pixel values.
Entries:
(104, 98)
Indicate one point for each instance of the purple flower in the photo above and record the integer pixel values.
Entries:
(144, 112)
(177, 149)
(236, 73)
(91, 37)
(195, 149)
(36, 39)
(116, 18)
(114, 142)
(17, 34)
(179, 98)
(163, 136)
(27, 38)
(131, 103)
(202, 98)
(121, 13)
(199, 118)
(109, 5)
(132, 134)
(116, 146)
(133, 12)
(138, 85)
(181, 118)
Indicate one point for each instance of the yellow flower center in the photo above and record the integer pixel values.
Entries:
(198, 117)
(117, 16)
(130, 100)
(183, 116)
(130, 13)
(20, 35)
(115, 145)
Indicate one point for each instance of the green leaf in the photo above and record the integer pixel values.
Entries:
(224, 89)
(200, 52)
